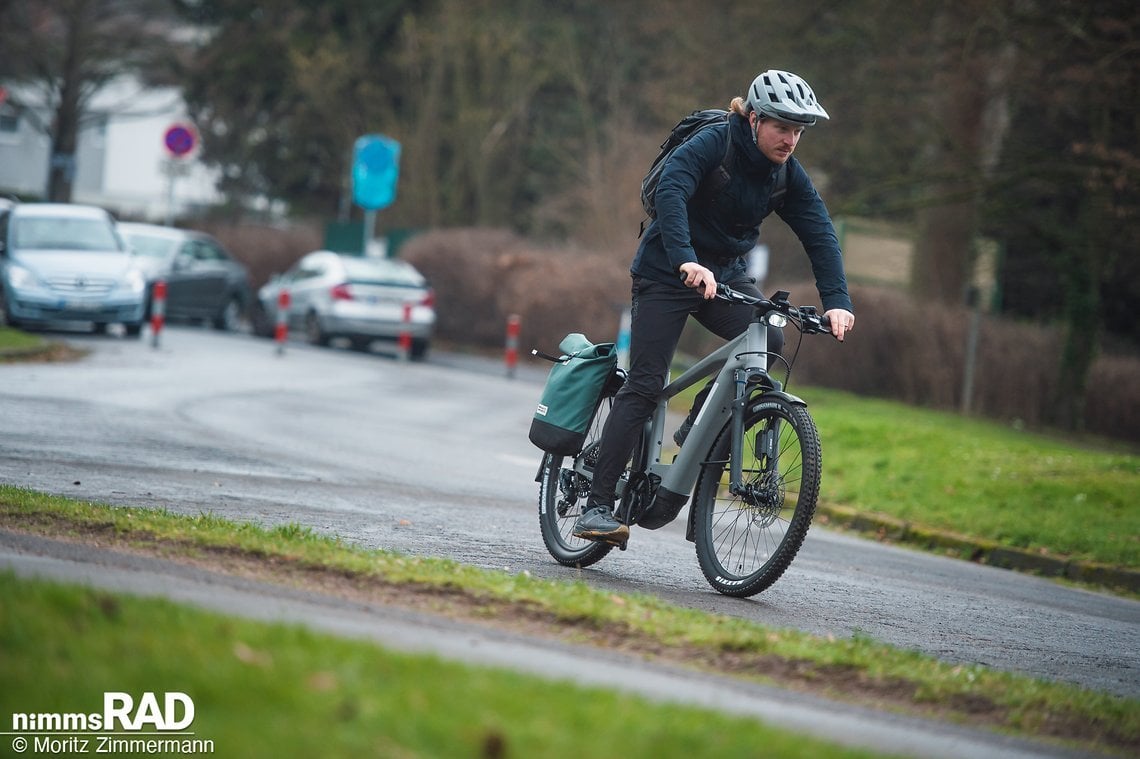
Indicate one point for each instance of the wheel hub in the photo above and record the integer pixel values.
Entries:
(764, 498)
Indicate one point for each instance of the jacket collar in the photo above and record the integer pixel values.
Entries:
(744, 145)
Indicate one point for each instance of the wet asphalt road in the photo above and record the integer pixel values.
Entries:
(433, 459)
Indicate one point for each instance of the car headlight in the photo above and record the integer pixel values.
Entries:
(20, 278)
(134, 282)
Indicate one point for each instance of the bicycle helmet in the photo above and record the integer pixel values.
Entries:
(785, 96)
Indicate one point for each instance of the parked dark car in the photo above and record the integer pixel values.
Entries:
(203, 281)
(333, 296)
(63, 263)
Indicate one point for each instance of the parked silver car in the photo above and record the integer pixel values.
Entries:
(361, 299)
(61, 262)
(203, 281)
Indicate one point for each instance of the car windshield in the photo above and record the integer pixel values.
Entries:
(151, 246)
(61, 233)
(372, 272)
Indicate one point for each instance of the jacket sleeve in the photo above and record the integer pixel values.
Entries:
(804, 211)
(680, 177)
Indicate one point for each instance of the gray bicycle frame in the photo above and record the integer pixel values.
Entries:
(742, 365)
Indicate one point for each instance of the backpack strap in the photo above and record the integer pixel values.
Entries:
(717, 179)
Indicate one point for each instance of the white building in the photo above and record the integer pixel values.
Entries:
(122, 162)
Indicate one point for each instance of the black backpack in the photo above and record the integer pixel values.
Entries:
(685, 129)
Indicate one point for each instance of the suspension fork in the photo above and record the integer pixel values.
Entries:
(767, 442)
(741, 378)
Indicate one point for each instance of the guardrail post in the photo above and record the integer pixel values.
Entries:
(405, 341)
(281, 333)
(514, 322)
(157, 311)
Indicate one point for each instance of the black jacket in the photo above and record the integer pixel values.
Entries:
(719, 229)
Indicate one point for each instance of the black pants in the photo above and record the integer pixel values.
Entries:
(659, 312)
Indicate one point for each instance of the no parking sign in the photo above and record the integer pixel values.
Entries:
(180, 139)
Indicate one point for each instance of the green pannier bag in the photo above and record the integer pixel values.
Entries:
(576, 383)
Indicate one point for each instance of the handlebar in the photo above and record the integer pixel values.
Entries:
(807, 318)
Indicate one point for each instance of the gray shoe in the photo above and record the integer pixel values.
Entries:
(597, 523)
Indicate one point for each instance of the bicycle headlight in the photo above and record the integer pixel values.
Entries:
(775, 319)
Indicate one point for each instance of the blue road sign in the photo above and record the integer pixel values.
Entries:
(375, 171)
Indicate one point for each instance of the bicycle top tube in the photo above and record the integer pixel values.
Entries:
(706, 367)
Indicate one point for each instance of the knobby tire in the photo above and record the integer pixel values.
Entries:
(745, 543)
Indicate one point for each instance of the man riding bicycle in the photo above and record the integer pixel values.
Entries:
(699, 239)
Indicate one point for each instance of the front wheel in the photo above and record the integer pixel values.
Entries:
(314, 333)
(745, 541)
(229, 319)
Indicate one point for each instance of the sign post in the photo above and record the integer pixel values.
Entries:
(180, 141)
(375, 172)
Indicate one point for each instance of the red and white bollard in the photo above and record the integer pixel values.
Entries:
(157, 311)
(514, 322)
(405, 339)
(281, 333)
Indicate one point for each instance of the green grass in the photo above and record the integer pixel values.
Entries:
(272, 690)
(979, 478)
(976, 477)
(1015, 703)
(968, 476)
(15, 340)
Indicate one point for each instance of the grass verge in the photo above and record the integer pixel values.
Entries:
(857, 669)
(16, 345)
(976, 478)
(271, 690)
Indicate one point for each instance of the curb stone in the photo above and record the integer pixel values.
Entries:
(896, 530)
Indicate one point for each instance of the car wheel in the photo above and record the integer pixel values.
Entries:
(133, 330)
(229, 319)
(313, 331)
(419, 349)
(262, 326)
(6, 319)
(100, 328)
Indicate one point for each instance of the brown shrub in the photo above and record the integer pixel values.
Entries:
(483, 276)
(901, 350)
(266, 250)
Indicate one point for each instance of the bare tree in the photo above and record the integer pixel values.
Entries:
(972, 57)
(69, 50)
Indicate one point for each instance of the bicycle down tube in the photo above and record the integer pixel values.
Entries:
(743, 362)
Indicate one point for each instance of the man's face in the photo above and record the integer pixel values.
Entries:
(777, 140)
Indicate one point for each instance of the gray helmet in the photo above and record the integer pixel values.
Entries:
(785, 96)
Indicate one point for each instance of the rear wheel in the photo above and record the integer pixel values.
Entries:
(564, 486)
(314, 333)
(745, 541)
(263, 326)
(230, 317)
